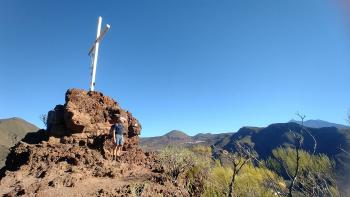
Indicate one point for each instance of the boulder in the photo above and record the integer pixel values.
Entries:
(93, 114)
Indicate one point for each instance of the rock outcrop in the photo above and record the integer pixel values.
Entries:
(86, 117)
(73, 156)
(91, 114)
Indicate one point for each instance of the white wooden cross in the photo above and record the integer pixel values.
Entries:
(93, 52)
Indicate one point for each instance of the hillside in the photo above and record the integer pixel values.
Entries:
(264, 140)
(179, 138)
(329, 140)
(11, 131)
(174, 137)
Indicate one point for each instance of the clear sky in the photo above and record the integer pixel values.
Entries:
(191, 65)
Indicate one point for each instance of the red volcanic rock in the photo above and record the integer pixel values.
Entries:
(91, 113)
(73, 156)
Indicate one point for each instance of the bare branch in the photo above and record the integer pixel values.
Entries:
(291, 186)
(315, 142)
(302, 117)
(340, 148)
(43, 118)
(241, 156)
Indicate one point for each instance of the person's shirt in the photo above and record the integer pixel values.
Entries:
(118, 129)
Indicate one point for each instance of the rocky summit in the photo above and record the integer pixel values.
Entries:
(73, 156)
(87, 116)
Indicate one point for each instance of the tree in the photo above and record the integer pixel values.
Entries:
(298, 142)
(242, 156)
(302, 117)
(309, 174)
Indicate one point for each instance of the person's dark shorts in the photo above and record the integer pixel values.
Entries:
(119, 140)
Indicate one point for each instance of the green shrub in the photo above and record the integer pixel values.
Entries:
(176, 161)
(251, 181)
(257, 181)
(315, 172)
(197, 175)
(218, 181)
(201, 150)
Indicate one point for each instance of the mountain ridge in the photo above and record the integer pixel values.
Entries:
(317, 123)
(12, 130)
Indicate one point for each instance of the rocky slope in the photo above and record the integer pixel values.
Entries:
(12, 130)
(73, 156)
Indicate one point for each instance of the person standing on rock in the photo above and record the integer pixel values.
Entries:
(117, 132)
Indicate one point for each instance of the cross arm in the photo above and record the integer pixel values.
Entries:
(99, 38)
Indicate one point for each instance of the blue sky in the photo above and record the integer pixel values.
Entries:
(196, 66)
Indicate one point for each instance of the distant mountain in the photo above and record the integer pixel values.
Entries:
(329, 141)
(177, 135)
(264, 140)
(11, 131)
(209, 139)
(174, 137)
(320, 124)
(179, 138)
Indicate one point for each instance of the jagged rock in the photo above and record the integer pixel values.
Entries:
(55, 121)
(74, 154)
(91, 113)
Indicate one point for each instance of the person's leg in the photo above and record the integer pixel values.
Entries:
(118, 151)
(114, 151)
(118, 145)
(121, 142)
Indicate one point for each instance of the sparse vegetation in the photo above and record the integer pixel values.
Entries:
(243, 173)
(314, 177)
(176, 161)
(137, 189)
(242, 156)
(198, 174)
(252, 180)
(193, 165)
(218, 181)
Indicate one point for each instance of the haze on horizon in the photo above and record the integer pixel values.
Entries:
(195, 66)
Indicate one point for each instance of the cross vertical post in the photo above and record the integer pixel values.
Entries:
(94, 51)
(94, 63)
